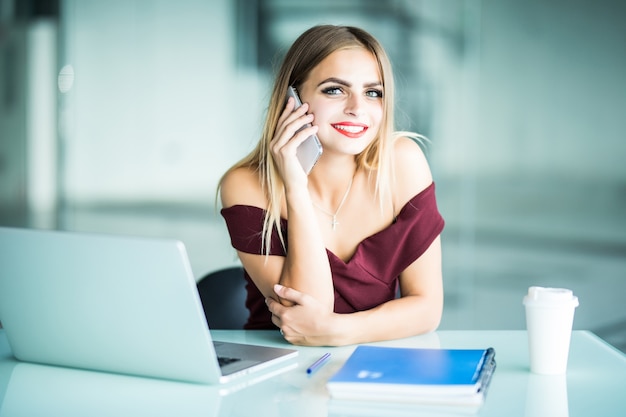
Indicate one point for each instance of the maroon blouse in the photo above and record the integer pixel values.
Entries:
(369, 278)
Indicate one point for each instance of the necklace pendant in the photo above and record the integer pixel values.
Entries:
(334, 223)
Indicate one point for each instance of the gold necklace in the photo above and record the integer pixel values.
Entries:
(334, 222)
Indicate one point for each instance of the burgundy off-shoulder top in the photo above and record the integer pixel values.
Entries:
(369, 278)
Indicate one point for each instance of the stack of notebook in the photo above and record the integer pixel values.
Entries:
(446, 377)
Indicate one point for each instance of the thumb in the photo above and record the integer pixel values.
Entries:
(288, 294)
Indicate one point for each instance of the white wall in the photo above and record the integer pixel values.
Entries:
(159, 110)
(151, 115)
(553, 89)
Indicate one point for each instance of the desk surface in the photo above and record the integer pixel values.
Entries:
(595, 384)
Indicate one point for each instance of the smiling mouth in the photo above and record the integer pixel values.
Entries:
(351, 130)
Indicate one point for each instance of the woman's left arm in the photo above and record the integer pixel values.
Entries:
(419, 309)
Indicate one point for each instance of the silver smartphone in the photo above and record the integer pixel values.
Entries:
(310, 150)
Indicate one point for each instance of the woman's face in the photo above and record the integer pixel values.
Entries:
(345, 94)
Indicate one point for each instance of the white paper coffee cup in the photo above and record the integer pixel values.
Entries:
(549, 320)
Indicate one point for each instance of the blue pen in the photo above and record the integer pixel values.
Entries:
(318, 363)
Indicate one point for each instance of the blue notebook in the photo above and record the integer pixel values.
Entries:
(415, 375)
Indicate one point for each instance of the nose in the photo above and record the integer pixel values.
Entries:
(354, 105)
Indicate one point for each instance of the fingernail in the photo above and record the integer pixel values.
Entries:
(278, 287)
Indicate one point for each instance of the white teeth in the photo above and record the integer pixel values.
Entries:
(350, 129)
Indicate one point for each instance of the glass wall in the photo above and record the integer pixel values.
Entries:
(523, 109)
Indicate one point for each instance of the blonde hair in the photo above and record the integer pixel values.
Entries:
(311, 48)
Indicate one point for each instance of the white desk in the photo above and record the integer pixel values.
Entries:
(594, 386)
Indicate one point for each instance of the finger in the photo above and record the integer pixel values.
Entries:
(273, 306)
(290, 129)
(290, 294)
(290, 113)
(298, 130)
(285, 153)
(290, 109)
(277, 321)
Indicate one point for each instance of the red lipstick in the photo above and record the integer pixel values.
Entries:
(350, 129)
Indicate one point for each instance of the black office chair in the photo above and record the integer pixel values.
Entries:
(223, 295)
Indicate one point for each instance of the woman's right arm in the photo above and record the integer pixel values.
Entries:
(306, 266)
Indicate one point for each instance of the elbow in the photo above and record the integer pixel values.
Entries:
(432, 320)
(433, 324)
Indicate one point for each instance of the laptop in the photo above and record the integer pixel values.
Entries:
(111, 303)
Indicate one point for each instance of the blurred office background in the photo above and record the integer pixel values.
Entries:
(120, 116)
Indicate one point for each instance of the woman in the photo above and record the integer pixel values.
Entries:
(325, 254)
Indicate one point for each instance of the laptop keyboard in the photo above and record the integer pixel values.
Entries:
(223, 360)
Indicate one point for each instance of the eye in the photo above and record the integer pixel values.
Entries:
(332, 91)
(374, 93)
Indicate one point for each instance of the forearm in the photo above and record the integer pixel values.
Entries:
(307, 322)
(306, 266)
(403, 317)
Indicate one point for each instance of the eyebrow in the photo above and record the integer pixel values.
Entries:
(348, 84)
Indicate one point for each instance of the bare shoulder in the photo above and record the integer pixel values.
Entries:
(412, 172)
(242, 186)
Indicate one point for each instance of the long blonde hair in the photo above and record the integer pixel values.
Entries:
(311, 48)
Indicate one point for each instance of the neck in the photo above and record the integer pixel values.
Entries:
(328, 183)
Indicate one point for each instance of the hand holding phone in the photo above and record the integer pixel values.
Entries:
(310, 150)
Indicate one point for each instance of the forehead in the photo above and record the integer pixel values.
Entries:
(351, 64)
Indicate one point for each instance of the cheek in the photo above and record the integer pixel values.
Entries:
(376, 119)
(377, 113)
(321, 114)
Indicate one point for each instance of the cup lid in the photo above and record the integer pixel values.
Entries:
(543, 296)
